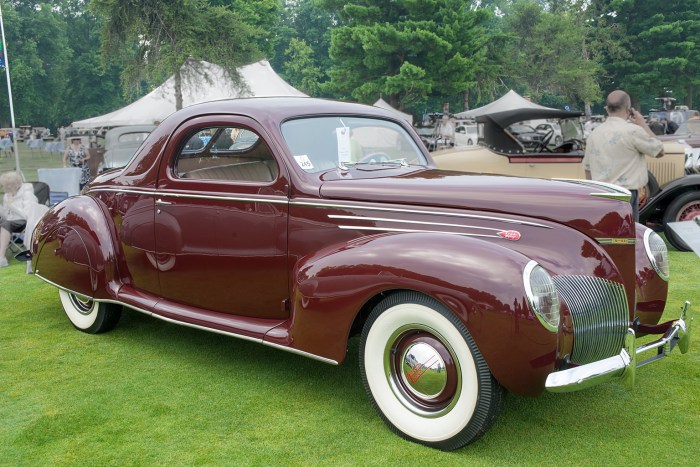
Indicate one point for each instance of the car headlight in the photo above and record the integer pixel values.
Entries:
(657, 253)
(542, 295)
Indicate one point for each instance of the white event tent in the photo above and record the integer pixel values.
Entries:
(201, 82)
(509, 101)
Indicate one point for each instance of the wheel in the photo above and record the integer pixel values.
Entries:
(424, 375)
(90, 316)
(686, 207)
(558, 140)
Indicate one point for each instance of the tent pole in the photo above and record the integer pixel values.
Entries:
(15, 142)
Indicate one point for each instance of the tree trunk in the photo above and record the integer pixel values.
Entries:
(689, 96)
(178, 89)
(466, 101)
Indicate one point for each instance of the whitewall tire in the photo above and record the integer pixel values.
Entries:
(88, 315)
(424, 375)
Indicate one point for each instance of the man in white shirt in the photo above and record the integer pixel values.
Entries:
(616, 149)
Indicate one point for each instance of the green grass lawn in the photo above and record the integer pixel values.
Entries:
(155, 393)
(150, 392)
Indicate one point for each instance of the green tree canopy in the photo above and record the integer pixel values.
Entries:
(550, 54)
(404, 50)
(663, 41)
(154, 38)
(39, 58)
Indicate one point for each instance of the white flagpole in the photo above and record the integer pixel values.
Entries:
(15, 143)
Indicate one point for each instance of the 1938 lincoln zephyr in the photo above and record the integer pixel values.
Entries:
(299, 223)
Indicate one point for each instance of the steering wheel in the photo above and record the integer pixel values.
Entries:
(545, 141)
(375, 157)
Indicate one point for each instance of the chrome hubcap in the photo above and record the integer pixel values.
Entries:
(422, 370)
(424, 373)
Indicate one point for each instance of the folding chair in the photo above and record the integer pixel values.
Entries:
(62, 183)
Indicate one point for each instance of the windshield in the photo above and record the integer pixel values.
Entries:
(322, 143)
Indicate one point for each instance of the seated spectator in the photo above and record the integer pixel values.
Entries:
(670, 126)
(656, 126)
(20, 210)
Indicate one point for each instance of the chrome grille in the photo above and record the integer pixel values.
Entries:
(600, 316)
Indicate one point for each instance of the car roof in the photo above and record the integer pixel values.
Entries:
(282, 108)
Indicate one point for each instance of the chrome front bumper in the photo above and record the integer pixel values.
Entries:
(623, 367)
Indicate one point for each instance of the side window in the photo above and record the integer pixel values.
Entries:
(226, 153)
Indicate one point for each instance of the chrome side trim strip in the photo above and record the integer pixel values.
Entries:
(283, 200)
(36, 273)
(619, 197)
(415, 211)
(616, 241)
(157, 193)
(300, 352)
(387, 229)
(620, 193)
(404, 221)
(202, 328)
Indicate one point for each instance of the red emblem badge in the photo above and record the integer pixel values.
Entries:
(512, 235)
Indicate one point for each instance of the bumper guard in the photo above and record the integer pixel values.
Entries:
(623, 367)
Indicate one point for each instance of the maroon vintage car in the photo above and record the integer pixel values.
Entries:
(299, 223)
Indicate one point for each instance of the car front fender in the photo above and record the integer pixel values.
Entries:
(73, 248)
(480, 282)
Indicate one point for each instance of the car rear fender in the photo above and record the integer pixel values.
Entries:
(654, 209)
(73, 248)
(480, 282)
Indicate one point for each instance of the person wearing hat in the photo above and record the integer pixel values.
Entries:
(77, 155)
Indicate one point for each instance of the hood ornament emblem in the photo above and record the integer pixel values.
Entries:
(512, 235)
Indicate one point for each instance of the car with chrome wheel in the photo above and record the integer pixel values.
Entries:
(332, 222)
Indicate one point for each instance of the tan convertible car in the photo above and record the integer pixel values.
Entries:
(670, 196)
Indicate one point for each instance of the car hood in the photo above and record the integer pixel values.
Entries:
(566, 202)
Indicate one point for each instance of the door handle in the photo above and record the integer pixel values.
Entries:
(160, 202)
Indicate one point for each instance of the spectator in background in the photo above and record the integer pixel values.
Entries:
(656, 126)
(670, 126)
(616, 150)
(20, 210)
(77, 155)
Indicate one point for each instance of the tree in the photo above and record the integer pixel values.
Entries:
(155, 37)
(39, 57)
(303, 22)
(300, 69)
(404, 50)
(550, 54)
(663, 47)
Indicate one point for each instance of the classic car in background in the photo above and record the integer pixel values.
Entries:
(670, 196)
(466, 135)
(546, 127)
(688, 134)
(331, 222)
(530, 138)
(121, 144)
